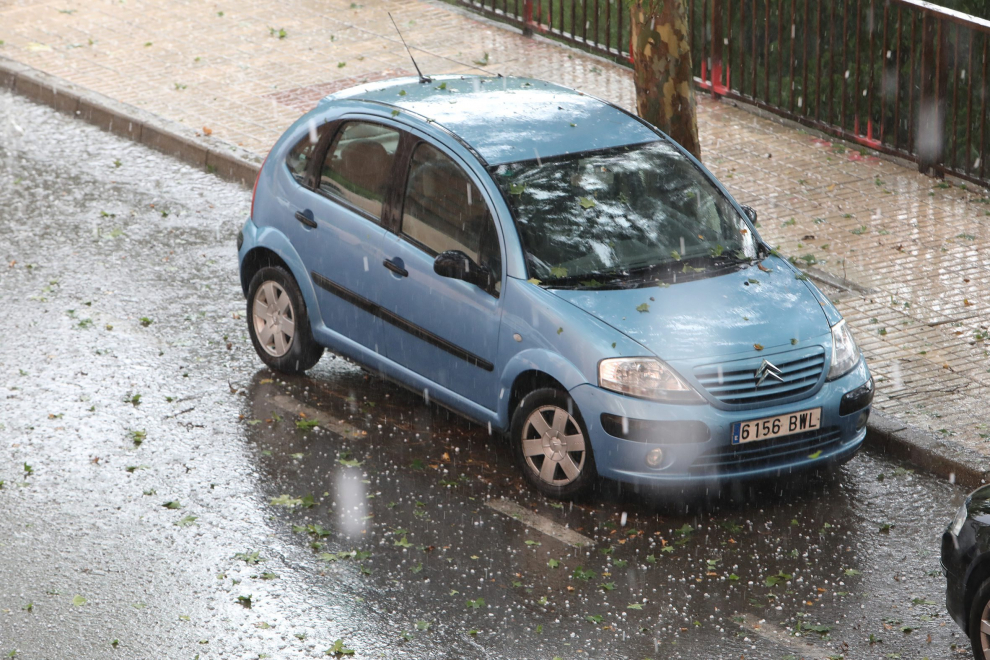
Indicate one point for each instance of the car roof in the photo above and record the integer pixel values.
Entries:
(507, 119)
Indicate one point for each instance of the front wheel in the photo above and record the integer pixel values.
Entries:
(979, 623)
(551, 444)
(278, 323)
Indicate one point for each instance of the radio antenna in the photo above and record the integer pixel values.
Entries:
(422, 78)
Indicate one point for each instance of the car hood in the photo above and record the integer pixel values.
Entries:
(728, 314)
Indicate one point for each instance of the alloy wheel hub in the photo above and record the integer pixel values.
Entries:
(554, 445)
(274, 319)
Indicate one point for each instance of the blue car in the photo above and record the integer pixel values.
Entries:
(552, 267)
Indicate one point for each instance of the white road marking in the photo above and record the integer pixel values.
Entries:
(539, 523)
(804, 649)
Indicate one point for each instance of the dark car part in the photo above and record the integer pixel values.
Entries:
(858, 399)
(644, 430)
(979, 622)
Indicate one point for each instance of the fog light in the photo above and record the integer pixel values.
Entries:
(654, 457)
(861, 420)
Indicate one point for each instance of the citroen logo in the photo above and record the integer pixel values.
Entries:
(767, 370)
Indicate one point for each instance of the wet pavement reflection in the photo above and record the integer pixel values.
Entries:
(743, 571)
(165, 497)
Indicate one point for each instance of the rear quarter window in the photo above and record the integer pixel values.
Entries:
(300, 155)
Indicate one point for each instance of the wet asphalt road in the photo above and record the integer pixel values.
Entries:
(165, 496)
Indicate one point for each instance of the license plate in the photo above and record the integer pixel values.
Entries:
(774, 427)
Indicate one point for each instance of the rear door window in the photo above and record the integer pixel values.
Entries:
(358, 167)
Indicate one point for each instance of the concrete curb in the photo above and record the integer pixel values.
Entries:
(941, 457)
(227, 161)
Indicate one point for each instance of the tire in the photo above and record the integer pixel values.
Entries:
(278, 322)
(561, 470)
(979, 615)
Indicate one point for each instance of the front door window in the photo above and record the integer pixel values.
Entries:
(444, 210)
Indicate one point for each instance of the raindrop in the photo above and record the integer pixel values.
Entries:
(366, 264)
(952, 477)
(622, 520)
(313, 138)
(426, 396)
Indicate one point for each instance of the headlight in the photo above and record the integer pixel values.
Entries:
(845, 352)
(960, 519)
(645, 377)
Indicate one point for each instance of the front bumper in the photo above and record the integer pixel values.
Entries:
(954, 563)
(704, 457)
(962, 554)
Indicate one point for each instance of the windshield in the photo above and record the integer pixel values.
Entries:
(609, 216)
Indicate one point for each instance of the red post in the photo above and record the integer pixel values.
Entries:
(930, 140)
(527, 29)
(716, 68)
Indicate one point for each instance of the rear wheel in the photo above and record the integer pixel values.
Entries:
(552, 445)
(278, 323)
(979, 622)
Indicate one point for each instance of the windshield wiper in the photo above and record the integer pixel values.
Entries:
(586, 280)
(724, 260)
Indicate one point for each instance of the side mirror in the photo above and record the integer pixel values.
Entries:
(457, 265)
(750, 213)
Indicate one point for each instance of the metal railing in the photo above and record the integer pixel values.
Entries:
(904, 77)
(599, 26)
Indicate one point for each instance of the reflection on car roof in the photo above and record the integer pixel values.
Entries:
(509, 119)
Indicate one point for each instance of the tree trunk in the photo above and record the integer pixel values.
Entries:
(662, 70)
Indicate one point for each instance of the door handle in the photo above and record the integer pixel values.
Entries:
(305, 219)
(396, 268)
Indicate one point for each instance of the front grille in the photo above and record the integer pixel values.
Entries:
(778, 452)
(734, 383)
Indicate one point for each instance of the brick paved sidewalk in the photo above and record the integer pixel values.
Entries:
(914, 253)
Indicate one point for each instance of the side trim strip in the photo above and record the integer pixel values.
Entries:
(401, 323)
(346, 294)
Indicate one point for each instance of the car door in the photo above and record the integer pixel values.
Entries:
(442, 328)
(339, 230)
